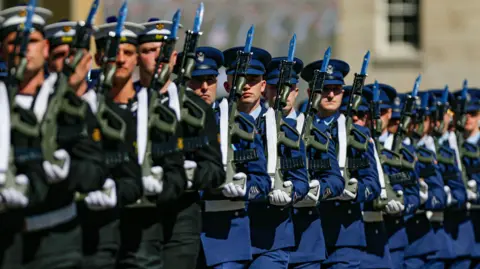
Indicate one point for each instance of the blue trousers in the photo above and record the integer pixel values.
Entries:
(277, 259)
(343, 258)
(423, 262)
(397, 258)
(459, 263)
(306, 265)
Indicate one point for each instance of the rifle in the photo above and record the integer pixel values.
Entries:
(460, 120)
(160, 117)
(309, 130)
(111, 125)
(234, 130)
(353, 104)
(15, 76)
(284, 86)
(191, 113)
(64, 99)
(387, 193)
(441, 108)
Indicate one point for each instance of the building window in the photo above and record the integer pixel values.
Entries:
(398, 28)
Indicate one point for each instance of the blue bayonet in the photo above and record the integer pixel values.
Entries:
(445, 95)
(424, 103)
(366, 60)
(122, 16)
(464, 89)
(376, 92)
(198, 18)
(326, 60)
(30, 12)
(91, 14)
(292, 47)
(249, 41)
(416, 86)
(175, 25)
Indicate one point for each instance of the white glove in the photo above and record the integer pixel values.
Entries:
(103, 199)
(395, 207)
(279, 197)
(11, 198)
(314, 190)
(54, 172)
(348, 195)
(153, 184)
(189, 167)
(472, 190)
(423, 192)
(233, 190)
(448, 192)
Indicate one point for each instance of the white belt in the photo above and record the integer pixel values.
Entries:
(437, 217)
(51, 219)
(372, 216)
(223, 205)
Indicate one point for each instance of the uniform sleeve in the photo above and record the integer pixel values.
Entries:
(430, 172)
(128, 175)
(209, 172)
(368, 183)
(258, 180)
(88, 169)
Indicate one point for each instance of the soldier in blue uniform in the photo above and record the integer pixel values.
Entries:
(457, 223)
(342, 218)
(271, 227)
(225, 231)
(377, 253)
(181, 218)
(325, 180)
(390, 108)
(423, 243)
(470, 159)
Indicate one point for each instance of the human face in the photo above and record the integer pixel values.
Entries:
(385, 116)
(271, 96)
(331, 98)
(37, 51)
(393, 125)
(126, 62)
(148, 53)
(253, 90)
(426, 126)
(57, 57)
(360, 118)
(472, 121)
(205, 87)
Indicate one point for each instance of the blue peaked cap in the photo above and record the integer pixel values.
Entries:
(273, 70)
(337, 70)
(207, 61)
(258, 63)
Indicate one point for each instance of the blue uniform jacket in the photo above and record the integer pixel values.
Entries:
(342, 220)
(271, 226)
(472, 169)
(309, 238)
(421, 236)
(226, 235)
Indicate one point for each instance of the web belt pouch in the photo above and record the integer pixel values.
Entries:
(161, 149)
(354, 164)
(402, 178)
(446, 160)
(115, 158)
(24, 155)
(449, 175)
(292, 163)
(191, 144)
(317, 165)
(426, 172)
(473, 170)
(245, 156)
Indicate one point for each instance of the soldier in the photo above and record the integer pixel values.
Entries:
(269, 249)
(403, 181)
(225, 230)
(181, 219)
(51, 234)
(457, 223)
(309, 250)
(345, 247)
(423, 245)
(471, 160)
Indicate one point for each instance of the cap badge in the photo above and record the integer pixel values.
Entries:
(329, 69)
(397, 101)
(200, 57)
(22, 13)
(67, 29)
(159, 26)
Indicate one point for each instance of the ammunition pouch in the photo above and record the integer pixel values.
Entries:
(354, 164)
(292, 163)
(115, 158)
(245, 156)
(317, 165)
(403, 179)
